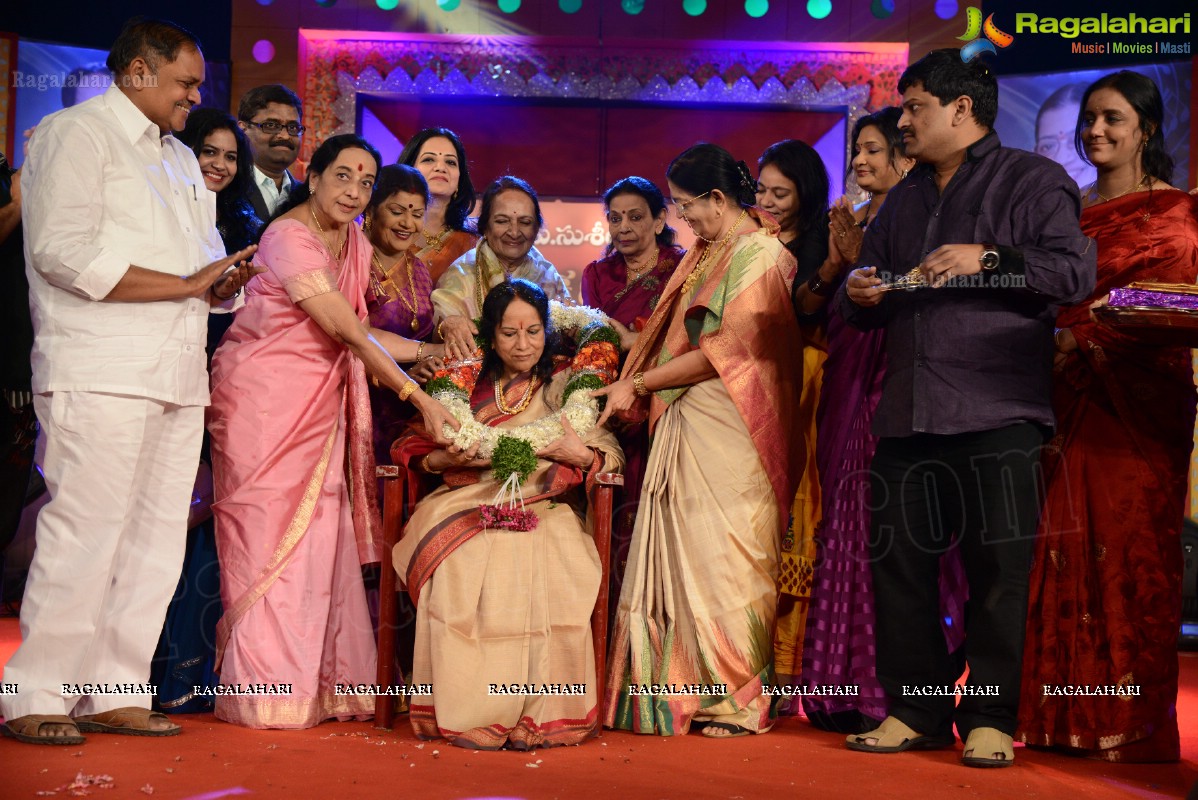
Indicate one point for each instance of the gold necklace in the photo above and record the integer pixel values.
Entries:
(636, 272)
(1102, 197)
(525, 399)
(381, 292)
(436, 242)
(336, 254)
(709, 254)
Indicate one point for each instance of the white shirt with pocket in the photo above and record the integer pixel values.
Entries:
(103, 191)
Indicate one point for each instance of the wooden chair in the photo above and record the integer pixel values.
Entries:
(393, 525)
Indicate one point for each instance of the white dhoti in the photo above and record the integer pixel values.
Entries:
(109, 549)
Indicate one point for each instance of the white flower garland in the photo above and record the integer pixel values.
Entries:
(580, 408)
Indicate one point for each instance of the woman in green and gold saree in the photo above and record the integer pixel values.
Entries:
(718, 373)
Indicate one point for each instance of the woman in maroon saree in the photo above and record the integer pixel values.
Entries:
(400, 290)
(626, 284)
(1105, 602)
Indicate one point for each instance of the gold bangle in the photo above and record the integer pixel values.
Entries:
(424, 465)
(408, 389)
(638, 384)
(440, 333)
(419, 350)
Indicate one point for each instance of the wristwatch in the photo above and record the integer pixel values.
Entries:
(989, 257)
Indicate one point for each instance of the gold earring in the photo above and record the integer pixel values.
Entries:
(366, 224)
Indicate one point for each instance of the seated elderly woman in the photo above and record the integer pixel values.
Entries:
(508, 221)
(503, 595)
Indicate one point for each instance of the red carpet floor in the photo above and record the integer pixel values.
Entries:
(211, 760)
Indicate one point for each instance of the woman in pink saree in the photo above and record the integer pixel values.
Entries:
(290, 425)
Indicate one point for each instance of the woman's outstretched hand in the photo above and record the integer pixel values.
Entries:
(620, 397)
(436, 416)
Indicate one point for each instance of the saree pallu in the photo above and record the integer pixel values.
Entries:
(454, 246)
(503, 612)
(700, 595)
(394, 314)
(288, 402)
(460, 292)
(605, 286)
(1105, 602)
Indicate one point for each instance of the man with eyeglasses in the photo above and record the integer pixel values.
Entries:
(270, 116)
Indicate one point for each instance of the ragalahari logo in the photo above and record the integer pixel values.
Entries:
(974, 27)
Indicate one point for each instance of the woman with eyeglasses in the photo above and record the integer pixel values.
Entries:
(446, 233)
(1104, 604)
(717, 374)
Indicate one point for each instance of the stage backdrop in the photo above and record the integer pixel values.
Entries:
(573, 116)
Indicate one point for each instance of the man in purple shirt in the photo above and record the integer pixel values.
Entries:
(986, 243)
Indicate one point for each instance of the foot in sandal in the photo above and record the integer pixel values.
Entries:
(129, 721)
(988, 747)
(894, 736)
(43, 729)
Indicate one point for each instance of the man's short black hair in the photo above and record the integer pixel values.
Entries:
(260, 97)
(155, 40)
(946, 77)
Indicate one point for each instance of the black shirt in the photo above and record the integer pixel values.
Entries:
(964, 357)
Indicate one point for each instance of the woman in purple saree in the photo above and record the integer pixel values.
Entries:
(838, 647)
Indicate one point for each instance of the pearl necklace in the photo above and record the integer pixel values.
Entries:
(522, 404)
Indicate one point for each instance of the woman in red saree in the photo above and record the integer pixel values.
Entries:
(290, 426)
(718, 366)
(626, 284)
(1105, 603)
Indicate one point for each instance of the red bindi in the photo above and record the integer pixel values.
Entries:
(359, 168)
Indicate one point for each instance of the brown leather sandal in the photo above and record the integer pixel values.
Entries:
(28, 729)
(128, 721)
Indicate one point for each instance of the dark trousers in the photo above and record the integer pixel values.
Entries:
(980, 492)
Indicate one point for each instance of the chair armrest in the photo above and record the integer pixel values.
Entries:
(608, 479)
(386, 471)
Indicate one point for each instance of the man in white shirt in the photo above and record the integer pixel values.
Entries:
(118, 227)
(270, 116)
